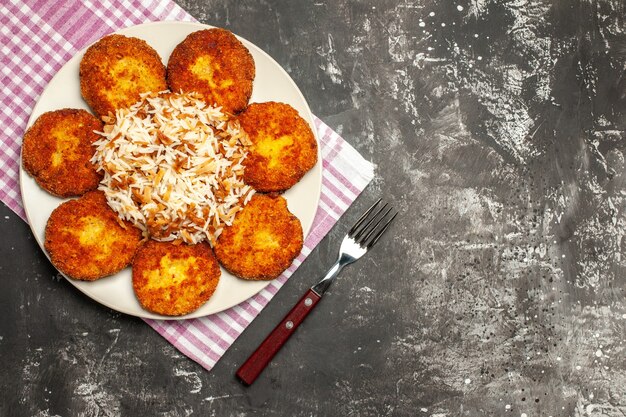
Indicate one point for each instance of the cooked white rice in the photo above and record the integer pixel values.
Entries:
(173, 167)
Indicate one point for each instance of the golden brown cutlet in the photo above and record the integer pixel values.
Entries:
(116, 70)
(87, 241)
(56, 151)
(263, 240)
(214, 63)
(174, 279)
(283, 146)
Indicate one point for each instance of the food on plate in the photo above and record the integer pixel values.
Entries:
(176, 170)
(173, 166)
(214, 63)
(283, 146)
(263, 240)
(116, 69)
(87, 241)
(56, 151)
(174, 279)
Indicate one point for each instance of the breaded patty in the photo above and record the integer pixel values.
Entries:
(87, 241)
(216, 64)
(174, 279)
(116, 69)
(263, 240)
(283, 146)
(56, 151)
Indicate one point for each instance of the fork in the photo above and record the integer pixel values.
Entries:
(367, 230)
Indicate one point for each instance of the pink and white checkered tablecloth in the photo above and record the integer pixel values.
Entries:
(39, 36)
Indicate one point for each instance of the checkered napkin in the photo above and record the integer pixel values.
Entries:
(38, 36)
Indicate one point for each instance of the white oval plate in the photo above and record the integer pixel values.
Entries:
(271, 83)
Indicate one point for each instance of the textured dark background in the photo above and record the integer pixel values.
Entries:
(498, 130)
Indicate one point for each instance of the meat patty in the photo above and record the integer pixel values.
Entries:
(115, 70)
(174, 279)
(283, 146)
(216, 64)
(263, 240)
(57, 150)
(87, 241)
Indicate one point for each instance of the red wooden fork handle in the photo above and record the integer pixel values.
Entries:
(262, 356)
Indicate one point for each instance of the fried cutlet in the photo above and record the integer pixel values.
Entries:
(174, 279)
(56, 151)
(216, 64)
(115, 70)
(283, 146)
(263, 240)
(87, 241)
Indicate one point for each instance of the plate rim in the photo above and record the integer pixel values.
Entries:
(309, 117)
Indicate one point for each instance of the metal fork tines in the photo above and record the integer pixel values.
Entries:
(367, 230)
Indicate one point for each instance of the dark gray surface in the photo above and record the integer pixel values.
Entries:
(497, 128)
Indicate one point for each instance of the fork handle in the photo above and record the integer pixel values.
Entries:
(252, 368)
